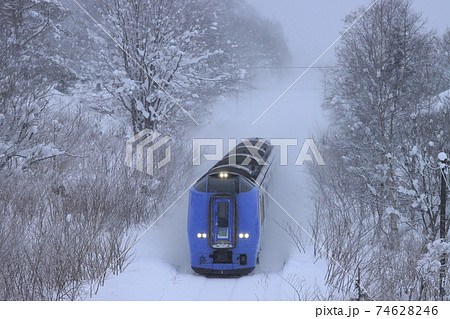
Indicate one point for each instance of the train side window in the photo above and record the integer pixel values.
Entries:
(201, 185)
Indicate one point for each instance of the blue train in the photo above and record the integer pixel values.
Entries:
(227, 210)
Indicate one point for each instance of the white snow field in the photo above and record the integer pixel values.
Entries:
(161, 266)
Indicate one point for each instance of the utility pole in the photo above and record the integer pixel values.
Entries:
(442, 227)
(358, 284)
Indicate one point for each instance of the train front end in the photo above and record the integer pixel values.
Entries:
(224, 225)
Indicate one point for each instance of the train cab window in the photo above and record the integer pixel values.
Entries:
(228, 185)
(231, 185)
(246, 186)
(201, 185)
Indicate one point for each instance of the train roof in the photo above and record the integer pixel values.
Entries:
(250, 159)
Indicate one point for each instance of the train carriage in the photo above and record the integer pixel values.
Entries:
(227, 210)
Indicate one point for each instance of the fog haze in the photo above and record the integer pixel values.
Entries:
(312, 26)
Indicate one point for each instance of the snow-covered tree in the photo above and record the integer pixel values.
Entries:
(386, 72)
(160, 49)
(171, 58)
(29, 68)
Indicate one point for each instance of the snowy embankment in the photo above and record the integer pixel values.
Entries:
(161, 270)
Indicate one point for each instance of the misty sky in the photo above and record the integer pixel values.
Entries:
(312, 25)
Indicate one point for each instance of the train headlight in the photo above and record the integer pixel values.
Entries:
(244, 235)
(223, 175)
(201, 235)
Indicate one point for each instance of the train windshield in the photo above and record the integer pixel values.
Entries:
(230, 185)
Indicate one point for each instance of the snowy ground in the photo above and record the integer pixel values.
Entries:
(161, 269)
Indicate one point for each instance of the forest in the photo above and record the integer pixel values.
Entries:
(378, 199)
(78, 78)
